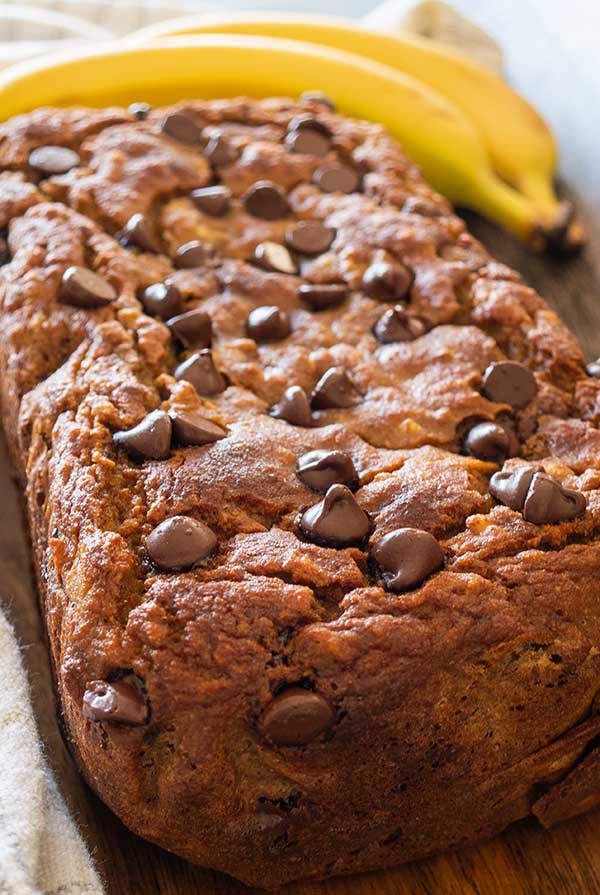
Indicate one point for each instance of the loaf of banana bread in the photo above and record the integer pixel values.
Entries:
(313, 486)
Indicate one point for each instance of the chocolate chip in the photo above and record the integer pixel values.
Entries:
(162, 299)
(387, 280)
(397, 325)
(4, 251)
(488, 441)
(406, 557)
(541, 498)
(51, 160)
(295, 717)
(310, 237)
(212, 200)
(308, 142)
(274, 257)
(139, 110)
(266, 200)
(200, 370)
(85, 289)
(268, 324)
(190, 427)
(321, 469)
(121, 701)
(508, 382)
(180, 543)
(193, 329)
(335, 389)
(321, 296)
(294, 407)
(149, 440)
(337, 520)
(315, 96)
(308, 122)
(181, 126)
(219, 150)
(139, 231)
(336, 178)
(548, 501)
(510, 486)
(191, 254)
(593, 369)
(508, 424)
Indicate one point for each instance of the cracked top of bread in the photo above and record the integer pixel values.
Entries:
(307, 691)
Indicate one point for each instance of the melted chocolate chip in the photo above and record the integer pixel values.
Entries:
(162, 299)
(274, 257)
(548, 501)
(510, 486)
(180, 543)
(85, 289)
(181, 126)
(193, 329)
(406, 557)
(508, 382)
(200, 370)
(139, 110)
(212, 200)
(321, 296)
(190, 427)
(488, 441)
(335, 389)
(321, 469)
(540, 497)
(337, 520)
(397, 325)
(121, 701)
(315, 96)
(308, 142)
(219, 150)
(336, 178)
(387, 280)
(294, 407)
(191, 254)
(268, 324)
(266, 200)
(139, 231)
(295, 717)
(149, 440)
(309, 237)
(4, 251)
(50, 160)
(309, 122)
(508, 424)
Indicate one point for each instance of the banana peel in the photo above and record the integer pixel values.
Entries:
(520, 144)
(433, 131)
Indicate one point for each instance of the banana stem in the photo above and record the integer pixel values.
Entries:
(564, 232)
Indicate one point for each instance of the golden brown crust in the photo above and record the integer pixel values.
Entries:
(459, 706)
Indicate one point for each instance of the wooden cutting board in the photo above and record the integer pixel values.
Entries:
(525, 860)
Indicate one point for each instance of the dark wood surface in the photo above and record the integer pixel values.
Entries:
(525, 860)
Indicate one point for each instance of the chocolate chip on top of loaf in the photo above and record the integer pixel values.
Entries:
(313, 482)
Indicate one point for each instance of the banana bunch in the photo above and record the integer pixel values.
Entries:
(476, 140)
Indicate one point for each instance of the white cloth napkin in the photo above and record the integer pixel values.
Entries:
(41, 850)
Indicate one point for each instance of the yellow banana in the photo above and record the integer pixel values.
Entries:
(433, 131)
(520, 144)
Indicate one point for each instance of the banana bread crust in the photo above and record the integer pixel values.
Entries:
(442, 711)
